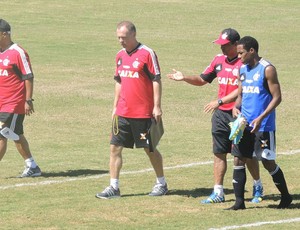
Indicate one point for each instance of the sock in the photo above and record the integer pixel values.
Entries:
(257, 183)
(30, 163)
(279, 181)
(161, 180)
(218, 189)
(239, 181)
(114, 183)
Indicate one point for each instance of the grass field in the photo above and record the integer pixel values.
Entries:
(72, 45)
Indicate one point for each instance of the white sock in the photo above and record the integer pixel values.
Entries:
(161, 180)
(30, 163)
(114, 183)
(257, 182)
(219, 189)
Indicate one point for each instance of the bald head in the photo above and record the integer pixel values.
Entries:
(126, 33)
(129, 26)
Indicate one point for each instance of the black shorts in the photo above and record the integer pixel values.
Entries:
(13, 121)
(128, 132)
(221, 131)
(259, 144)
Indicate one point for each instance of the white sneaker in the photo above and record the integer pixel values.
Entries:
(31, 172)
(109, 193)
(159, 190)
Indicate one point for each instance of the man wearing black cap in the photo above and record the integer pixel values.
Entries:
(16, 89)
(225, 68)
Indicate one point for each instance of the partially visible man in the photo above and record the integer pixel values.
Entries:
(224, 67)
(258, 95)
(16, 89)
(137, 104)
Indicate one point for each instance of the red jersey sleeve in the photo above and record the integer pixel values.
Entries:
(210, 73)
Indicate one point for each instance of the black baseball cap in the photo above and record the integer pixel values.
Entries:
(226, 36)
(4, 26)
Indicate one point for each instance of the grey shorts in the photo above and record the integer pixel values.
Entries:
(13, 121)
(128, 132)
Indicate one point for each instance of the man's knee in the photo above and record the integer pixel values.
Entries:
(239, 161)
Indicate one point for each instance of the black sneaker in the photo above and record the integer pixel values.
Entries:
(237, 206)
(285, 202)
(109, 193)
(31, 172)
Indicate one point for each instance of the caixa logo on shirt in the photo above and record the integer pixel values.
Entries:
(227, 81)
(251, 89)
(128, 73)
(3, 73)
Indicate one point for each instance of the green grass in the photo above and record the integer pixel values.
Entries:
(72, 45)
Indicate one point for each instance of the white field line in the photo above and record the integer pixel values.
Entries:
(257, 224)
(48, 182)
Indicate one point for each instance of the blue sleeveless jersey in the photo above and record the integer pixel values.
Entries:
(255, 95)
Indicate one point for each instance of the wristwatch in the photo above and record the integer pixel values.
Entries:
(220, 102)
(29, 101)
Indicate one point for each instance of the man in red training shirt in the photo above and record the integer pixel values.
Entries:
(16, 89)
(137, 104)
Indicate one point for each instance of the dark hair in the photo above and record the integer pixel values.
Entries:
(129, 25)
(232, 35)
(248, 43)
(4, 26)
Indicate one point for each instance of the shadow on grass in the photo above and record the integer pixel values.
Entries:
(137, 194)
(74, 173)
(195, 193)
(277, 197)
(200, 192)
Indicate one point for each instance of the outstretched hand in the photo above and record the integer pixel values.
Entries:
(176, 75)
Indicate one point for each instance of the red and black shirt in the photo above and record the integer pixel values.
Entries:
(136, 72)
(15, 68)
(226, 73)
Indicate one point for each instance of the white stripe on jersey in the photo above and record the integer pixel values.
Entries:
(264, 62)
(23, 58)
(153, 57)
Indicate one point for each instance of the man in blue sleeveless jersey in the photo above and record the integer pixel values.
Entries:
(258, 95)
